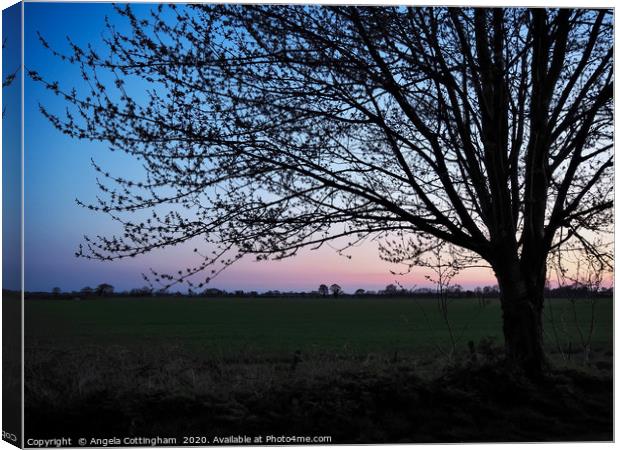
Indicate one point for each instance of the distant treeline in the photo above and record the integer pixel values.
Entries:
(105, 290)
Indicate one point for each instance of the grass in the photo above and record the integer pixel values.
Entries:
(266, 325)
(363, 370)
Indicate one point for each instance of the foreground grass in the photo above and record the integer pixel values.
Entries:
(166, 392)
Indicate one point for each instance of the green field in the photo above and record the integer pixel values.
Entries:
(274, 325)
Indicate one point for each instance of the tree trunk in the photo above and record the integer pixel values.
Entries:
(522, 306)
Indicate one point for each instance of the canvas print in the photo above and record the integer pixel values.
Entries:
(306, 224)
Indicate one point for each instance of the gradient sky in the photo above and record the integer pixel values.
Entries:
(57, 170)
(11, 150)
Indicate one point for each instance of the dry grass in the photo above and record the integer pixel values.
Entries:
(371, 398)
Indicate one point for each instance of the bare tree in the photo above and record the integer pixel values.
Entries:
(391, 289)
(268, 129)
(104, 289)
(87, 291)
(444, 269)
(323, 290)
(579, 275)
(335, 289)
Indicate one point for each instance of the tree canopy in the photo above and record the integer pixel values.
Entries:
(266, 129)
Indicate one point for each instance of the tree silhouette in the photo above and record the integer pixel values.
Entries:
(144, 291)
(104, 289)
(323, 290)
(335, 289)
(267, 129)
(86, 291)
(391, 289)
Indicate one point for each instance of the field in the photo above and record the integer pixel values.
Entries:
(357, 369)
(223, 326)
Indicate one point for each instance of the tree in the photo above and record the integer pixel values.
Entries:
(213, 292)
(86, 291)
(335, 289)
(360, 292)
(391, 289)
(144, 291)
(323, 290)
(443, 271)
(270, 128)
(104, 289)
(56, 291)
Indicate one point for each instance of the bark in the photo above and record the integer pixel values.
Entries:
(522, 306)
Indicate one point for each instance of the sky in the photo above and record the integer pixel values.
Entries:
(11, 150)
(58, 170)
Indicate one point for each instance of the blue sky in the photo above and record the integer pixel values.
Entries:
(58, 170)
(11, 150)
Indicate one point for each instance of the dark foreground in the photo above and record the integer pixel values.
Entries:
(356, 371)
(357, 402)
